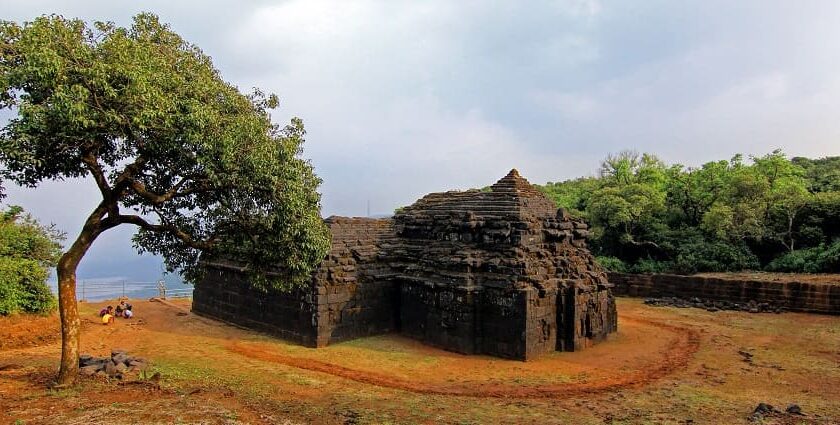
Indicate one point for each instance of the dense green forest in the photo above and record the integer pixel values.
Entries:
(762, 213)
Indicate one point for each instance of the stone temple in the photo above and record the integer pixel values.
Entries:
(500, 272)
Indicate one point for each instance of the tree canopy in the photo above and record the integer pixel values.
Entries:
(175, 150)
(148, 117)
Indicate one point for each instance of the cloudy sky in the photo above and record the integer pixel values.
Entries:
(403, 98)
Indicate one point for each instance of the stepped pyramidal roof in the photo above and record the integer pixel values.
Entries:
(511, 196)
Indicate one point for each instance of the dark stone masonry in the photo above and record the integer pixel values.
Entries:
(501, 272)
(730, 294)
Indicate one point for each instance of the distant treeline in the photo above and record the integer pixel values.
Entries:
(765, 213)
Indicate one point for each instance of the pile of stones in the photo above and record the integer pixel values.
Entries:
(117, 366)
(714, 305)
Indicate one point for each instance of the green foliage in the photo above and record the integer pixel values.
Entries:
(22, 237)
(147, 115)
(698, 255)
(628, 167)
(829, 260)
(819, 259)
(27, 250)
(819, 221)
(823, 175)
(795, 262)
(626, 208)
(612, 264)
(721, 216)
(573, 195)
(693, 192)
(648, 265)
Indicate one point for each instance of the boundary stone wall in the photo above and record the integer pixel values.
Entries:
(794, 296)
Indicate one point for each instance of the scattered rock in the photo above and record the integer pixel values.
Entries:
(764, 410)
(137, 365)
(110, 369)
(89, 370)
(794, 409)
(119, 358)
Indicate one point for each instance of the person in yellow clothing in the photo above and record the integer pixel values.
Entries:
(107, 315)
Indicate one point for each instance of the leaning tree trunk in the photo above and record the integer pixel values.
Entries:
(68, 307)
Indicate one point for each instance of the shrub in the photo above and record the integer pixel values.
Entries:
(650, 266)
(795, 262)
(820, 259)
(27, 251)
(828, 260)
(713, 256)
(612, 264)
(23, 287)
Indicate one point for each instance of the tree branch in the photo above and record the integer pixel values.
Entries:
(98, 175)
(166, 228)
(125, 178)
(156, 199)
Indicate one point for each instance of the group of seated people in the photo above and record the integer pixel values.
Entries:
(108, 313)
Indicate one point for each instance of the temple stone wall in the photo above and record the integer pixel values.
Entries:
(499, 272)
(503, 322)
(355, 293)
(225, 294)
(794, 296)
(440, 315)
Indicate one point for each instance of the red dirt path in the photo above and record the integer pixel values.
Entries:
(683, 344)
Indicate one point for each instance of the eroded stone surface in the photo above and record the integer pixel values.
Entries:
(501, 272)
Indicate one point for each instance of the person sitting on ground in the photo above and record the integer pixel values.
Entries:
(106, 310)
(122, 307)
(108, 318)
(127, 312)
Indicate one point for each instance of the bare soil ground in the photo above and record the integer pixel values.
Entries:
(665, 365)
(821, 278)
